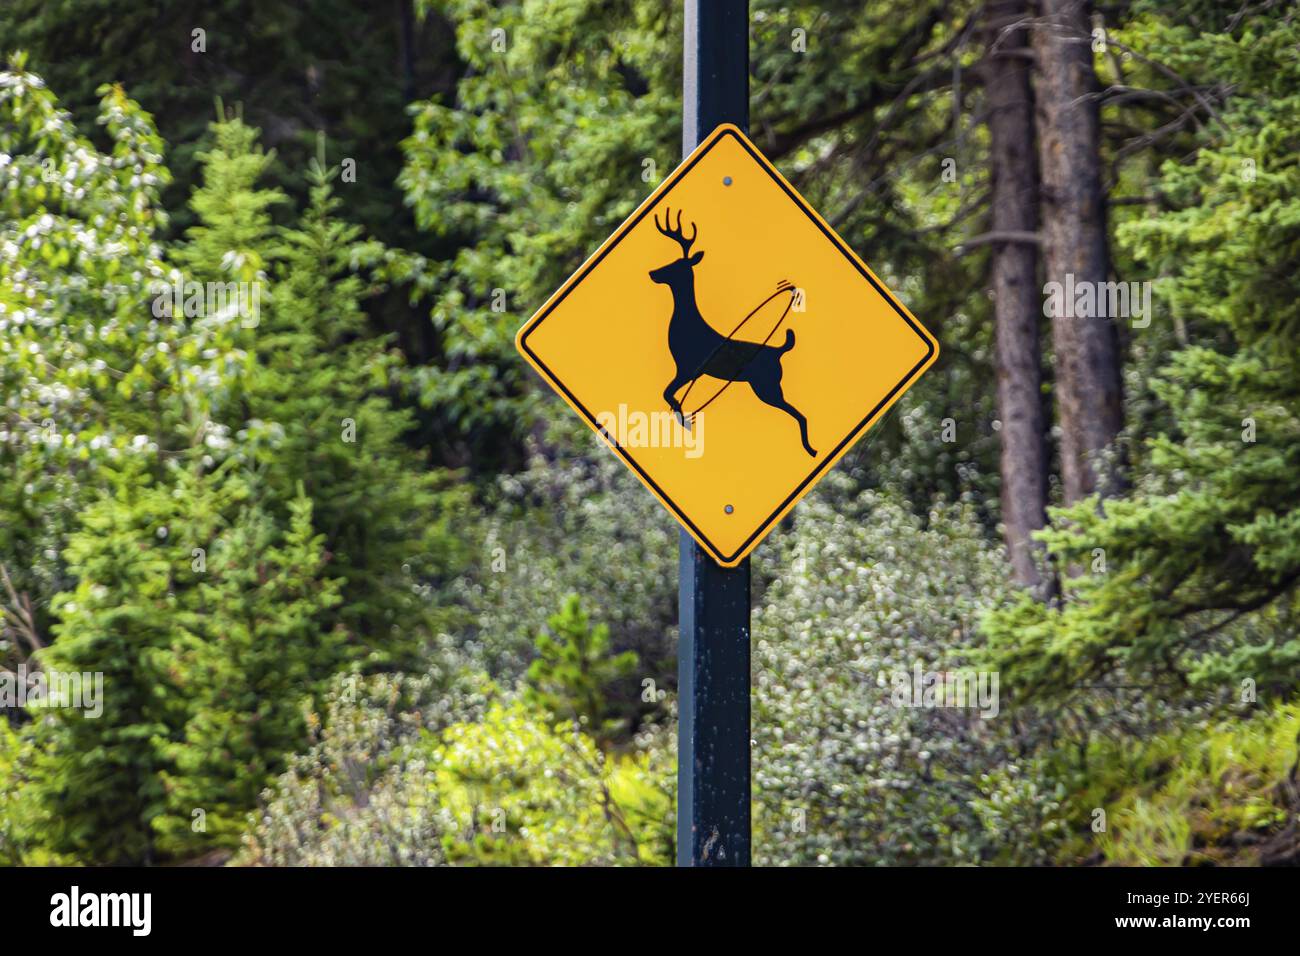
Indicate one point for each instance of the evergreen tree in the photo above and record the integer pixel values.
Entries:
(234, 546)
(312, 405)
(1193, 578)
(573, 673)
(260, 647)
(97, 782)
(325, 384)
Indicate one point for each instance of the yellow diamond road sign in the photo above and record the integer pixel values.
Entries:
(727, 345)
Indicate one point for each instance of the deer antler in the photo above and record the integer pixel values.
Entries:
(677, 233)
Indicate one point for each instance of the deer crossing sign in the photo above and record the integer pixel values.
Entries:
(727, 345)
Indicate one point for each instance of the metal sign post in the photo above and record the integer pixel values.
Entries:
(825, 356)
(713, 617)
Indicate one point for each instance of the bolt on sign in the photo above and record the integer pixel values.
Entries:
(727, 345)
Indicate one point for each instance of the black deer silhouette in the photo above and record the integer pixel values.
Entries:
(699, 349)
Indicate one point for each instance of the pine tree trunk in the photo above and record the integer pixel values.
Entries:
(1088, 388)
(1017, 301)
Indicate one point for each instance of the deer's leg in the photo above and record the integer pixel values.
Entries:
(768, 390)
(670, 395)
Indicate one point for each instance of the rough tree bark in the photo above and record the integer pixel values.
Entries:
(1088, 387)
(1017, 299)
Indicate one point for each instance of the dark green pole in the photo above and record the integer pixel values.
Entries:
(713, 602)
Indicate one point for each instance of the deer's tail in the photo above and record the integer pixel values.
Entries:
(789, 342)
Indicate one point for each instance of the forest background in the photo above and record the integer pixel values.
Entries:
(360, 591)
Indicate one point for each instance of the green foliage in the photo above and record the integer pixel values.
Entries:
(1019, 809)
(523, 168)
(1215, 793)
(89, 375)
(642, 785)
(203, 668)
(183, 504)
(12, 755)
(842, 773)
(212, 542)
(574, 521)
(317, 402)
(330, 65)
(390, 781)
(1199, 566)
(361, 794)
(260, 642)
(573, 671)
(98, 781)
(1215, 784)
(523, 792)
